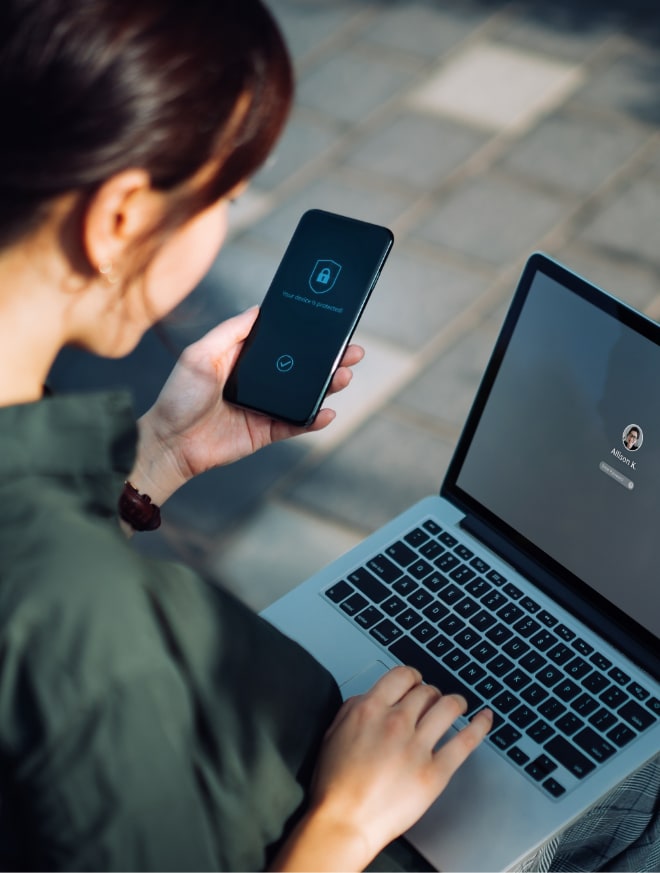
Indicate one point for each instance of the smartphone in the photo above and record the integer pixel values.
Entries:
(308, 316)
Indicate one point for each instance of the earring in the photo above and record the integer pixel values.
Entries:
(107, 270)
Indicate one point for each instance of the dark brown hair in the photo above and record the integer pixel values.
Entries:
(89, 88)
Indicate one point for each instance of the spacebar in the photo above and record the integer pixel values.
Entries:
(433, 672)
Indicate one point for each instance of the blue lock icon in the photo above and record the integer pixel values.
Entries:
(324, 276)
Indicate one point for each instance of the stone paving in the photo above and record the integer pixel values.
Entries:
(479, 132)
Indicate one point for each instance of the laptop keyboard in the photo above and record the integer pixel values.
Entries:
(561, 707)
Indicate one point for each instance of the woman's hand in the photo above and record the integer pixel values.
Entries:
(190, 428)
(379, 771)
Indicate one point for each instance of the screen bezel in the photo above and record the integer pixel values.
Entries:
(640, 644)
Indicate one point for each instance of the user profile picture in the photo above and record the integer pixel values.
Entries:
(632, 438)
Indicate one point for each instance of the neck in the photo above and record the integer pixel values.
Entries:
(30, 335)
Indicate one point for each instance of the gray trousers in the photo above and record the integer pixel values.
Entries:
(620, 833)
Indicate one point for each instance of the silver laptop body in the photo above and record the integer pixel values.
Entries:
(530, 584)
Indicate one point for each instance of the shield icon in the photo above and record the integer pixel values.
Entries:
(324, 275)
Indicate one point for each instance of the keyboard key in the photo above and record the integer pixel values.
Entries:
(512, 591)
(432, 550)
(355, 603)
(600, 661)
(493, 600)
(544, 640)
(636, 715)
(613, 697)
(564, 632)
(462, 574)
(408, 619)
(483, 652)
(553, 787)
(654, 705)
(416, 537)
(546, 618)
(620, 734)
(518, 756)
(569, 723)
(505, 702)
(509, 613)
(549, 676)
(530, 605)
(467, 638)
(499, 634)
(386, 632)
(505, 737)
(440, 645)
(435, 581)
(489, 687)
(533, 662)
(452, 624)
(540, 731)
(526, 626)
(467, 607)
(584, 704)
(420, 598)
(463, 552)
(449, 540)
(534, 694)
(582, 647)
(368, 617)
(339, 592)
(517, 679)
(595, 682)
(420, 569)
(472, 673)
(515, 647)
(577, 668)
(447, 562)
(569, 757)
(401, 553)
(393, 605)
(479, 565)
(566, 690)
(523, 716)
(482, 620)
(541, 767)
(369, 585)
(500, 665)
(619, 676)
(384, 569)
(435, 611)
(552, 708)
(638, 691)
(559, 654)
(432, 527)
(409, 652)
(455, 659)
(450, 593)
(495, 577)
(602, 719)
(424, 632)
(478, 587)
(594, 745)
(405, 586)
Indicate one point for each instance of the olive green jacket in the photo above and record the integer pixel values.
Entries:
(148, 720)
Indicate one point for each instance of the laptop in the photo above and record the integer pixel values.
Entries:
(530, 584)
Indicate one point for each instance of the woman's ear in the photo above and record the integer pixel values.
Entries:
(121, 212)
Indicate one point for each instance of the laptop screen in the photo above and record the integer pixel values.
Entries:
(563, 444)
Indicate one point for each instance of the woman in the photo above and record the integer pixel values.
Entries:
(147, 719)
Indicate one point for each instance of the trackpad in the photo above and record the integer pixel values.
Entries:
(363, 680)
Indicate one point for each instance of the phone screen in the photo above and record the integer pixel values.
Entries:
(308, 316)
